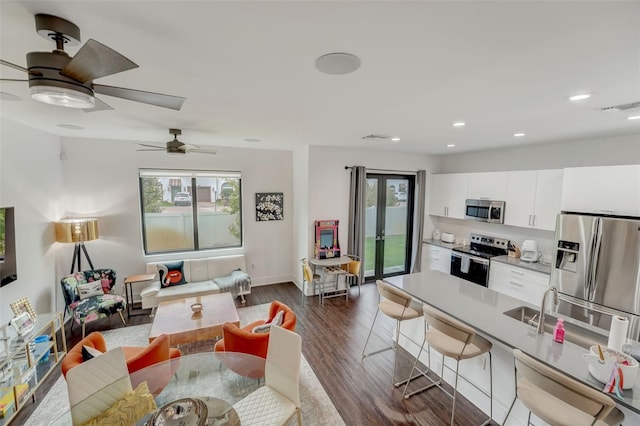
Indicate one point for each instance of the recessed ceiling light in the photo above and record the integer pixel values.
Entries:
(580, 97)
(4, 96)
(633, 117)
(451, 145)
(519, 134)
(459, 124)
(70, 126)
(252, 140)
(396, 139)
(338, 63)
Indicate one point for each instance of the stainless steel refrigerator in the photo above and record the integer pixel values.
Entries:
(597, 263)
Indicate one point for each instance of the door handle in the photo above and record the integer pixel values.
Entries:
(379, 237)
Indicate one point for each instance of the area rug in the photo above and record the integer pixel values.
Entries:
(317, 408)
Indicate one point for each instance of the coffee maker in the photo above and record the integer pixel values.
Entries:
(530, 251)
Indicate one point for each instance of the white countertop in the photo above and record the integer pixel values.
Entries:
(483, 309)
(513, 261)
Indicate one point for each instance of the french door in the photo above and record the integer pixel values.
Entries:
(388, 225)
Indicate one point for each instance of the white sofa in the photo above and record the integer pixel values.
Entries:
(199, 274)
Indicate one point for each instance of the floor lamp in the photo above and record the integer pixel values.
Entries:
(77, 231)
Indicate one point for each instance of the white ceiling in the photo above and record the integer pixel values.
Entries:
(247, 71)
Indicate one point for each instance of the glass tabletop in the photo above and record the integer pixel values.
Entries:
(220, 379)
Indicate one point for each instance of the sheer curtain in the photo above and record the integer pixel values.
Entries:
(418, 221)
(357, 205)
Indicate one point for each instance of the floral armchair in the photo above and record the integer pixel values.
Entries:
(88, 297)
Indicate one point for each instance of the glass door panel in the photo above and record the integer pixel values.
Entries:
(388, 225)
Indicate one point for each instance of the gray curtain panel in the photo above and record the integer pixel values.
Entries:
(418, 221)
(357, 205)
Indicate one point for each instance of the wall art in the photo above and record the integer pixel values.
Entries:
(269, 206)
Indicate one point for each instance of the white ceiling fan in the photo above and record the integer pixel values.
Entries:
(177, 147)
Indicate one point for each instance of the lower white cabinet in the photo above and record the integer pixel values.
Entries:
(519, 283)
(436, 258)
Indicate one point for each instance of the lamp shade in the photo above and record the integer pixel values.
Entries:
(76, 230)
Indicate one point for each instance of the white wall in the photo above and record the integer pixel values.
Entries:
(101, 180)
(589, 152)
(328, 187)
(300, 241)
(31, 181)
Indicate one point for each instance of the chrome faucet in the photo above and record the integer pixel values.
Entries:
(540, 328)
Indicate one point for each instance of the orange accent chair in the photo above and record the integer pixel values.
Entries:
(236, 339)
(137, 357)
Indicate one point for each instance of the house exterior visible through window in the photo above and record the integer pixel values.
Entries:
(175, 217)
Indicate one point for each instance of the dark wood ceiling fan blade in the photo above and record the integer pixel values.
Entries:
(152, 146)
(156, 149)
(203, 151)
(95, 60)
(151, 98)
(100, 106)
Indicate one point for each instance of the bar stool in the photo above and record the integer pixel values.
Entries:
(308, 277)
(396, 304)
(558, 399)
(456, 340)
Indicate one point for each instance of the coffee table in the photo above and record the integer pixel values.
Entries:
(175, 318)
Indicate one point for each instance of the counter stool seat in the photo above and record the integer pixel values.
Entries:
(559, 399)
(395, 304)
(453, 339)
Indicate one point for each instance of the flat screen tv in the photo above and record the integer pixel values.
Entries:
(8, 270)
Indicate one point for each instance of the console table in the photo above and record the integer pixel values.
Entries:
(128, 289)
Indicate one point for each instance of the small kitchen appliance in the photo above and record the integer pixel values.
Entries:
(530, 251)
(447, 237)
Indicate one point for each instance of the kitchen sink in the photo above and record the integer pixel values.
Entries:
(573, 333)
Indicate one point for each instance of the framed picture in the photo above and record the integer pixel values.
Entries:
(269, 206)
(23, 305)
(22, 323)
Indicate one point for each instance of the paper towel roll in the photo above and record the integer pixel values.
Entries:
(618, 332)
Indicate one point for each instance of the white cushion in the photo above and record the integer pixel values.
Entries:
(196, 270)
(151, 290)
(264, 406)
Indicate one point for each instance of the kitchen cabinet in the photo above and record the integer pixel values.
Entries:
(25, 363)
(436, 258)
(533, 198)
(519, 283)
(447, 195)
(605, 190)
(489, 186)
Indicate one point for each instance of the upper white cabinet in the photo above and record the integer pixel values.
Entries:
(533, 198)
(606, 189)
(490, 186)
(447, 195)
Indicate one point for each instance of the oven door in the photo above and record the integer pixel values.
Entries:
(470, 268)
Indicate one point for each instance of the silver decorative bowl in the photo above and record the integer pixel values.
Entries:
(196, 308)
(185, 411)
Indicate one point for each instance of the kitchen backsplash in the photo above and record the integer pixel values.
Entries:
(462, 229)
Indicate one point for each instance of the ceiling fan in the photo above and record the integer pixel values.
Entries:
(59, 79)
(177, 147)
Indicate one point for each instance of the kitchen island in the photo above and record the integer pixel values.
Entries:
(483, 309)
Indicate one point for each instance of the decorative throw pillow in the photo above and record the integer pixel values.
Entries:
(264, 328)
(174, 275)
(128, 410)
(89, 352)
(90, 289)
(278, 318)
(106, 285)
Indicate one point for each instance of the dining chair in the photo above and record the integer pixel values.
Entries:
(277, 401)
(557, 398)
(308, 277)
(352, 271)
(452, 339)
(395, 304)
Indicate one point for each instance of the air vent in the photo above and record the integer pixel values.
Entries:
(622, 107)
(374, 137)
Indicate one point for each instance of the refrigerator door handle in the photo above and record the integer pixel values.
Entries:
(594, 262)
(590, 272)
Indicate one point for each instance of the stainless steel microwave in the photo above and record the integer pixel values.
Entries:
(484, 210)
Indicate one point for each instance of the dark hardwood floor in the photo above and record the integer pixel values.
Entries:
(333, 336)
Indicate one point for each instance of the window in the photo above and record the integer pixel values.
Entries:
(190, 210)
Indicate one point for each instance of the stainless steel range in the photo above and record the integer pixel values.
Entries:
(472, 262)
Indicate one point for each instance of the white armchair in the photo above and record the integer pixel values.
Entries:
(277, 401)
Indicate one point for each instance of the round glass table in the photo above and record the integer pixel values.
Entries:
(218, 379)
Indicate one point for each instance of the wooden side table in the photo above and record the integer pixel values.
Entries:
(128, 289)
